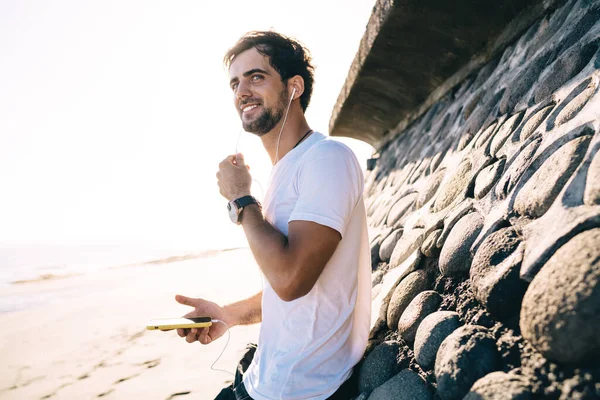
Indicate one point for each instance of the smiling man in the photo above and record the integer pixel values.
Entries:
(309, 239)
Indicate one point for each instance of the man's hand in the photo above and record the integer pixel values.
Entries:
(233, 177)
(203, 308)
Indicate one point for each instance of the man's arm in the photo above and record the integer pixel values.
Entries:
(244, 312)
(291, 264)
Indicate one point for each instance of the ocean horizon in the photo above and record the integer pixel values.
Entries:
(23, 262)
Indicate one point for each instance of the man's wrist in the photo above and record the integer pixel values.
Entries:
(239, 195)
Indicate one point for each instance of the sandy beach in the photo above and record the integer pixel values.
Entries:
(84, 336)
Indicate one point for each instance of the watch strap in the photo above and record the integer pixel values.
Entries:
(246, 201)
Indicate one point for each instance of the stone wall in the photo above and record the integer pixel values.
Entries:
(485, 224)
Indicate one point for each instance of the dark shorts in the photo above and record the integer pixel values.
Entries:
(237, 391)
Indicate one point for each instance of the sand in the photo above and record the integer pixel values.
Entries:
(84, 337)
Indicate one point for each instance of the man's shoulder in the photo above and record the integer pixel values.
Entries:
(329, 148)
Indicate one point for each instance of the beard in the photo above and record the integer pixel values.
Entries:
(268, 119)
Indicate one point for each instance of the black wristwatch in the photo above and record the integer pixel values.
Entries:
(235, 207)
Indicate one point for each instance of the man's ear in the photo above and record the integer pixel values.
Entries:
(298, 83)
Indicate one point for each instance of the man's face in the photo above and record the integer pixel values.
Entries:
(259, 95)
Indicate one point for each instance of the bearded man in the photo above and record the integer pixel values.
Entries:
(309, 238)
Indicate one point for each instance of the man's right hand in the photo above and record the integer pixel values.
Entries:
(202, 308)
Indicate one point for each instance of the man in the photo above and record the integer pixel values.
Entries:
(310, 239)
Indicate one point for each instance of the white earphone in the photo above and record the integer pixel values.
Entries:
(293, 93)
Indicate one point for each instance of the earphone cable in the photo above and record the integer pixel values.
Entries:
(212, 367)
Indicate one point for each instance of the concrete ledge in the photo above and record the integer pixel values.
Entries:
(410, 49)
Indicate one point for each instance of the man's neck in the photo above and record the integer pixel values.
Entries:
(294, 130)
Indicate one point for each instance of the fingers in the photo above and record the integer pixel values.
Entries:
(204, 337)
(182, 332)
(239, 158)
(186, 301)
(191, 337)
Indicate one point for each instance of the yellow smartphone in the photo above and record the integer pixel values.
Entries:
(167, 324)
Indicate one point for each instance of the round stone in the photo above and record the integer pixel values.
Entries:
(504, 132)
(516, 169)
(387, 246)
(455, 258)
(407, 289)
(405, 385)
(560, 315)
(534, 121)
(452, 188)
(487, 178)
(574, 106)
(431, 333)
(410, 241)
(379, 366)
(400, 208)
(433, 183)
(495, 271)
(376, 278)
(500, 386)
(591, 195)
(468, 354)
(429, 247)
(485, 135)
(420, 307)
(540, 191)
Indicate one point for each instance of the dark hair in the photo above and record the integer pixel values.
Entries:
(287, 56)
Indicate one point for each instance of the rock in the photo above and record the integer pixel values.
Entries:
(455, 258)
(433, 183)
(420, 307)
(573, 107)
(406, 385)
(452, 188)
(465, 356)
(538, 194)
(534, 121)
(375, 255)
(522, 82)
(560, 315)
(429, 247)
(376, 277)
(500, 386)
(504, 132)
(400, 208)
(464, 141)
(564, 68)
(362, 396)
(410, 241)
(478, 118)
(431, 333)
(387, 246)
(376, 290)
(591, 196)
(509, 179)
(378, 367)
(487, 178)
(494, 273)
(483, 138)
(407, 289)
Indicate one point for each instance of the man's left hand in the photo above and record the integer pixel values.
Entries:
(234, 178)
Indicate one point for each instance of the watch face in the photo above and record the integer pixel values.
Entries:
(233, 212)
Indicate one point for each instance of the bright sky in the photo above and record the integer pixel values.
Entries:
(114, 114)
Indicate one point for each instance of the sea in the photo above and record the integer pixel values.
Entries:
(29, 261)
(22, 262)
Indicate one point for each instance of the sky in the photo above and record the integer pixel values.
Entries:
(114, 114)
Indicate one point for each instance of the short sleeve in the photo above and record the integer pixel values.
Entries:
(329, 184)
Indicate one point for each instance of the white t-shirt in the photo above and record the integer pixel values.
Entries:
(307, 347)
